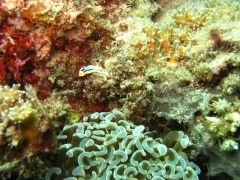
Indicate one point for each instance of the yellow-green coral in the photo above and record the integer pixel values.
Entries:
(15, 109)
(231, 83)
(229, 145)
(72, 117)
(8, 165)
(224, 122)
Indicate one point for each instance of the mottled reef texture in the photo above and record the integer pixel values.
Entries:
(171, 64)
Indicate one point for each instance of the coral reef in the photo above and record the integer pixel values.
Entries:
(169, 64)
(107, 146)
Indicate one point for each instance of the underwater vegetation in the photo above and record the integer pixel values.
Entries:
(76, 71)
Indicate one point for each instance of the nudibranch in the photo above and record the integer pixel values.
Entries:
(93, 70)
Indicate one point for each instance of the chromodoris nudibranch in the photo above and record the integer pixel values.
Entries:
(93, 70)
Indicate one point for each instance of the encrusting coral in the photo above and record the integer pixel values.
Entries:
(107, 146)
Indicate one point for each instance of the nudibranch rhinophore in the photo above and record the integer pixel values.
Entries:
(93, 70)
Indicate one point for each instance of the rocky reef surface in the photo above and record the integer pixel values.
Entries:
(168, 66)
